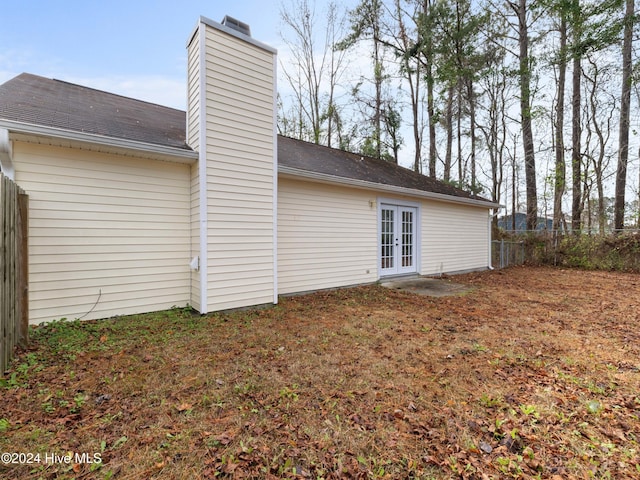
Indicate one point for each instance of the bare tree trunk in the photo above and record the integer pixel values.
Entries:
(459, 135)
(377, 116)
(623, 148)
(472, 131)
(428, 57)
(449, 125)
(576, 127)
(412, 75)
(432, 123)
(503, 140)
(576, 160)
(494, 85)
(417, 130)
(601, 121)
(525, 113)
(561, 167)
(335, 27)
(366, 23)
(514, 190)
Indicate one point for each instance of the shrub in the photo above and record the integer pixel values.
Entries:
(610, 252)
(592, 252)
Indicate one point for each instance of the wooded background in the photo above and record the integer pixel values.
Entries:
(533, 104)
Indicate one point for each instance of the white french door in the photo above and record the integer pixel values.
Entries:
(398, 239)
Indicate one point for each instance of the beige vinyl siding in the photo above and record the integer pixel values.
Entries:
(195, 235)
(108, 234)
(240, 150)
(455, 238)
(327, 236)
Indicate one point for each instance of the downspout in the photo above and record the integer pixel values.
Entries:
(6, 155)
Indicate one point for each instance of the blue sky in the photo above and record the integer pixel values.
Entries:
(135, 48)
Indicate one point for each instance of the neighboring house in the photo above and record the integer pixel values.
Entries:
(506, 223)
(135, 207)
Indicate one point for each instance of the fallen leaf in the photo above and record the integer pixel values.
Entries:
(224, 439)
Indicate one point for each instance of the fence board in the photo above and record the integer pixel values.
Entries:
(13, 270)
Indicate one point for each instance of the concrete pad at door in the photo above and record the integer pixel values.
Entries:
(433, 287)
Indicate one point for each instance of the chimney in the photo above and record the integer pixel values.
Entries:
(231, 111)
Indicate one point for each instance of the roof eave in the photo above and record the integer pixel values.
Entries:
(176, 154)
(351, 182)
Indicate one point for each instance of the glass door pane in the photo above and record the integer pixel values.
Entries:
(387, 229)
(407, 238)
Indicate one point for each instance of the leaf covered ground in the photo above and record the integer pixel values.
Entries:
(533, 374)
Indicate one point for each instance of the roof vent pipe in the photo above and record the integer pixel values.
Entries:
(236, 25)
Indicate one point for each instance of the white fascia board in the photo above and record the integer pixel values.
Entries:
(176, 154)
(6, 155)
(332, 179)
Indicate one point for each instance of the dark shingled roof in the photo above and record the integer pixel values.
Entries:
(329, 161)
(53, 103)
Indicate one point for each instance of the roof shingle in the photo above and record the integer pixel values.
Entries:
(338, 163)
(37, 100)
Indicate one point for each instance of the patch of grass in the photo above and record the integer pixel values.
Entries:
(489, 401)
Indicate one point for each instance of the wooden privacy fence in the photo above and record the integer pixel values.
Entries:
(14, 300)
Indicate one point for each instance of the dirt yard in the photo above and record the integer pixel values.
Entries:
(534, 373)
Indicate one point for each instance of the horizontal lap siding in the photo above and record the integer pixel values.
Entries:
(454, 238)
(326, 236)
(108, 235)
(195, 236)
(240, 146)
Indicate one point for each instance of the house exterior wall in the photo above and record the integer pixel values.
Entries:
(108, 234)
(327, 236)
(455, 238)
(237, 140)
